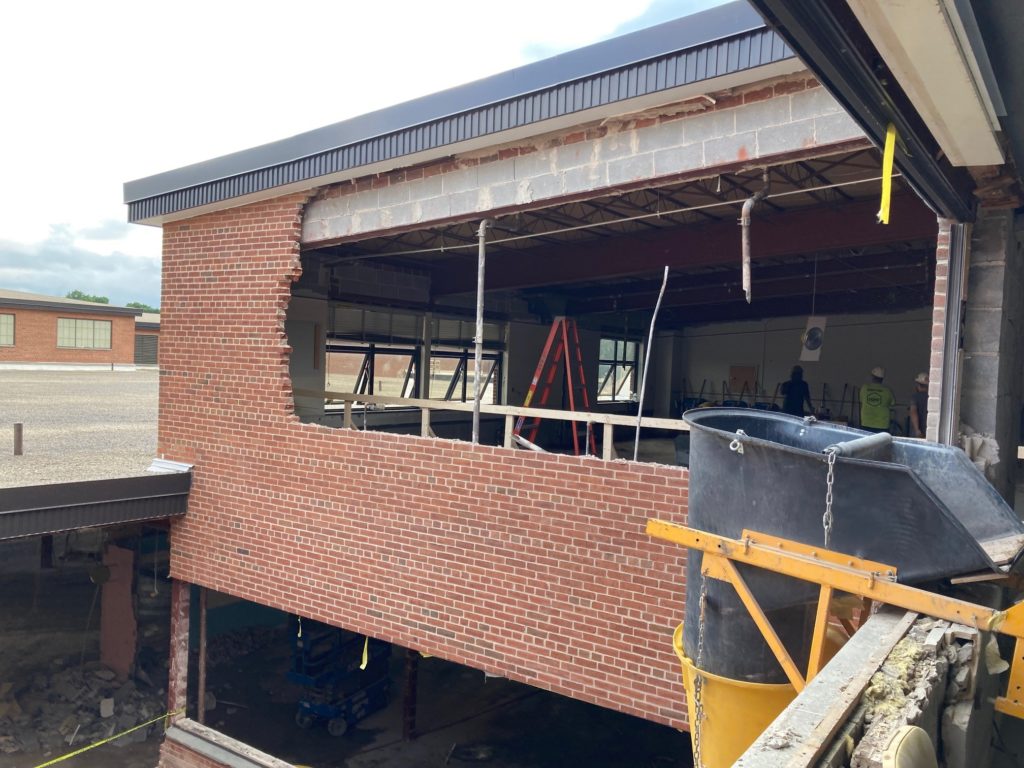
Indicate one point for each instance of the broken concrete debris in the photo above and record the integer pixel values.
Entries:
(75, 706)
(929, 680)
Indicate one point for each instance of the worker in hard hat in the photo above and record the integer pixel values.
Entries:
(876, 401)
(919, 406)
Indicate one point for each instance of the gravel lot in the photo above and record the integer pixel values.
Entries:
(79, 425)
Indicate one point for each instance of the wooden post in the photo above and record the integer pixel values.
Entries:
(412, 667)
(424, 422)
(347, 423)
(508, 430)
(201, 705)
(19, 432)
(607, 440)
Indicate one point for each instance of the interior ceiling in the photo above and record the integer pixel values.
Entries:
(813, 248)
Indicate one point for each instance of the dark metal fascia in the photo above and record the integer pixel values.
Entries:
(41, 509)
(97, 309)
(728, 55)
(828, 38)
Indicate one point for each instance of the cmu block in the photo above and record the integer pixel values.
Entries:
(534, 567)
(767, 121)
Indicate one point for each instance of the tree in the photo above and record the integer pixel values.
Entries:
(143, 307)
(86, 297)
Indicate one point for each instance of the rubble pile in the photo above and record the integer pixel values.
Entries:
(75, 706)
(239, 643)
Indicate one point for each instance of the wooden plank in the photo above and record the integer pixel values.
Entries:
(1003, 550)
(499, 410)
(608, 442)
(806, 728)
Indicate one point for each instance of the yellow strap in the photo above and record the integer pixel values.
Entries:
(366, 653)
(887, 156)
(109, 739)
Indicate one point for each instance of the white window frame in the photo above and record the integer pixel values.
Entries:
(3, 342)
(81, 334)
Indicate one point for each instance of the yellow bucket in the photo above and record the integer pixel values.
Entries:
(735, 711)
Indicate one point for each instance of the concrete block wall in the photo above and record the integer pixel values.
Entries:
(991, 387)
(35, 339)
(534, 567)
(741, 127)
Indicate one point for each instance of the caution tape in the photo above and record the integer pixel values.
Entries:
(109, 739)
(887, 158)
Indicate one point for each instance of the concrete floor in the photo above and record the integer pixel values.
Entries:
(79, 425)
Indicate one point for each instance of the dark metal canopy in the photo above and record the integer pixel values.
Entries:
(41, 509)
(829, 39)
(722, 41)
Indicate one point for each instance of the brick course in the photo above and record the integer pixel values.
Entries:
(535, 567)
(35, 338)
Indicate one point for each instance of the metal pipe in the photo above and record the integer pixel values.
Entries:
(19, 435)
(647, 362)
(478, 340)
(861, 446)
(748, 206)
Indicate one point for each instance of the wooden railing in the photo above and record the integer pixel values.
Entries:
(511, 412)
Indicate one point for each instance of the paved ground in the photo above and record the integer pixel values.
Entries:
(79, 425)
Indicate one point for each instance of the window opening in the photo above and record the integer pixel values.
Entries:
(617, 370)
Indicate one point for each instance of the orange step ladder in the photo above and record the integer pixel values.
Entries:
(563, 343)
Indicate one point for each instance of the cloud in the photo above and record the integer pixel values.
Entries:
(58, 264)
(109, 229)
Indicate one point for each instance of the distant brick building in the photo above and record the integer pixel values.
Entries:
(38, 329)
(147, 338)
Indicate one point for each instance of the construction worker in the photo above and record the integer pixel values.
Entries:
(795, 393)
(876, 401)
(919, 406)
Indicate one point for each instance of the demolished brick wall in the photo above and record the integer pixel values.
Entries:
(534, 567)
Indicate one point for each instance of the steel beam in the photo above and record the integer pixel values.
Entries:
(790, 233)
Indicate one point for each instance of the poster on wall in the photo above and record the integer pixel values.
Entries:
(812, 339)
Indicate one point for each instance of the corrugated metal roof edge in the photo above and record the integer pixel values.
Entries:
(41, 509)
(696, 30)
(728, 57)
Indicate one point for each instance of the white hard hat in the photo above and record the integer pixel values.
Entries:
(878, 372)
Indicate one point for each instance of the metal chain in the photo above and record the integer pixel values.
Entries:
(826, 520)
(698, 677)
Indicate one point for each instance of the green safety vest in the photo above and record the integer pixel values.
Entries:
(875, 402)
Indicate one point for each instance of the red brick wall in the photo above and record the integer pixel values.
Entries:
(35, 338)
(938, 329)
(531, 566)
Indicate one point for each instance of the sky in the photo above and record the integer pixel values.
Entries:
(98, 93)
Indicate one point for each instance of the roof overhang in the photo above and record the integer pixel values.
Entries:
(87, 308)
(939, 64)
(720, 48)
(831, 40)
(43, 509)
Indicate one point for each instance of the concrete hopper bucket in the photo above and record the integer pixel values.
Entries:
(921, 507)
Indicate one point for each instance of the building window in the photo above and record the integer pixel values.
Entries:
(83, 334)
(6, 330)
(616, 371)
